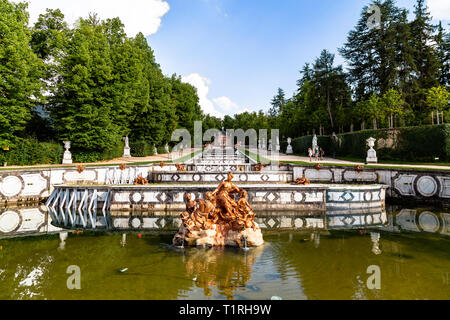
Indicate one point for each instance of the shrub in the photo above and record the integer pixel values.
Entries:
(141, 148)
(162, 150)
(86, 156)
(31, 152)
(283, 146)
(421, 144)
(301, 145)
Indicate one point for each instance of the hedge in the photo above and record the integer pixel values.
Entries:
(30, 152)
(420, 144)
(283, 146)
(301, 145)
(141, 148)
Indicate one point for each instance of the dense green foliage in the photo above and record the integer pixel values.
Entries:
(30, 152)
(90, 84)
(20, 72)
(141, 148)
(422, 144)
(301, 145)
(398, 73)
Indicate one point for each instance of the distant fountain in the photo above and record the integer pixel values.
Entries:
(219, 220)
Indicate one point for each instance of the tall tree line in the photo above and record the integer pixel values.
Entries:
(396, 74)
(90, 84)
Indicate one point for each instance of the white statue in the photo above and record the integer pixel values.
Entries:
(155, 150)
(375, 237)
(371, 153)
(67, 157)
(126, 149)
(289, 147)
(270, 145)
(315, 146)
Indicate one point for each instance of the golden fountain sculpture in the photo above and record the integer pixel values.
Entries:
(219, 220)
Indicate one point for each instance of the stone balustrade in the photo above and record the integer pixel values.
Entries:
(429, 186)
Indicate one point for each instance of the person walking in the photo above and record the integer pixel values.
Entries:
(322, 154)
(310, 153)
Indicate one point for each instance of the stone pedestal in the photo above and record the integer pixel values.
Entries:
(127, 152)
(67, 157)
(126, 149)
(371, 153)
(289, 149)
(247, 238)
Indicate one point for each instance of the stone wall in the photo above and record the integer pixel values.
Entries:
(25, 221)
(430, 186)
(70, 203)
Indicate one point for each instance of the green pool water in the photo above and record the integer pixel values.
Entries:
(292, 264)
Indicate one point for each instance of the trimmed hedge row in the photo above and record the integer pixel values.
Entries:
(84, 156)
(31, 152)
(420, 144)
(302, 144)
(283, 146)
(141, 148)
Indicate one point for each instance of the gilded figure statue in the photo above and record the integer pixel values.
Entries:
(218, 219)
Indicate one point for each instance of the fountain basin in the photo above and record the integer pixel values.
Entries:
(262, 197)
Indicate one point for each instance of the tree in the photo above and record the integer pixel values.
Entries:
(425, 57)
(370, 109)
(48, 40)
(422, 32)
(278, 102)
(20, 72)
(186, 103)
(49, 35)
(82, 107)
(393, 105)
(127, 76)
(437, 99)
(372, 53)
(154, 117)
(211, 122)
(443, 55)
(330, 84)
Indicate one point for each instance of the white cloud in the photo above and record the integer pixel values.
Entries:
(137, 15)
(225, 104)
(440, 9)
(217, 107)
(202, 85)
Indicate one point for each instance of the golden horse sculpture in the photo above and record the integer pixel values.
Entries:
(219, 220)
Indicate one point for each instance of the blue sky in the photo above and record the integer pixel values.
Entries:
(249, 48)
(236, 52)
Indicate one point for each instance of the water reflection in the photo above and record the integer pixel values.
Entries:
(305, 257)
(25, 221)
(219, 269)
(309, 264)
